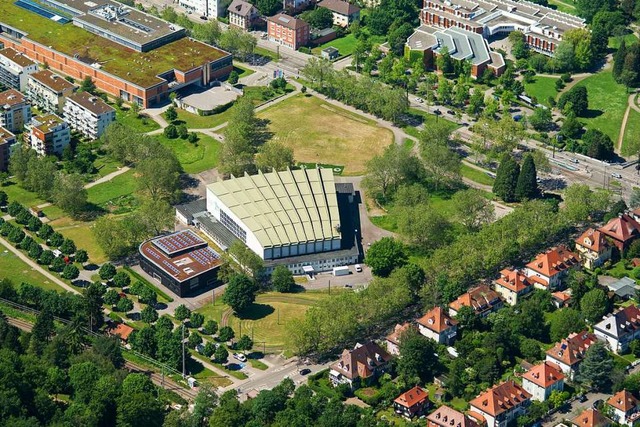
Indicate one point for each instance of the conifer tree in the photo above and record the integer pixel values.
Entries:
(506, 179)
(618, 60)
(527, 186)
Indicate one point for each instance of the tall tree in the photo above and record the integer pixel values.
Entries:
(417, 362)
(507, 179)
(240, 292)
(472, 209)
(386, 172)
(385, 255)
(274, 155)
(618, 60)
(69, 194)
(594, 305)
(527, 185)
(595, 369)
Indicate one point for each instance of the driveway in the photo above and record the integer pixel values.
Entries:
(575, 408)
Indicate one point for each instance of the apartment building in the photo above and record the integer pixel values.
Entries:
(48, 134)
(15, 110)
(208, 8)
(288, 31)
(242, 14)
(14, 69)
(88, 114)
(7, 139)
(48, 91)
(344, 13)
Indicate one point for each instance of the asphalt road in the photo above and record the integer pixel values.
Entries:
(575, 408)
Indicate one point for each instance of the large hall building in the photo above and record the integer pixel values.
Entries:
(128, 53)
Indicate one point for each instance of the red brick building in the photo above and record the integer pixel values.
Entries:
(288, 31)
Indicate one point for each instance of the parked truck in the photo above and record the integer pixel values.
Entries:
(341, 271)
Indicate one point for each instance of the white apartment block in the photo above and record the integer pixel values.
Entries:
(15, 68)
(48, 91)
(88, 114)
(15, 110)
(49, 134)
(208, 8)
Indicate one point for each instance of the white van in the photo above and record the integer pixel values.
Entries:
(358, 268)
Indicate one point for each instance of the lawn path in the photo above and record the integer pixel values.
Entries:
(623, 126)
(37, 267)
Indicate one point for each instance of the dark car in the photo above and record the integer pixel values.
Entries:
(304, 371)
(437, 112)
(597, 404)
(204, 18)
(451, 112)
(582, 398)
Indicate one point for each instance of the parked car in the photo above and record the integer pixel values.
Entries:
(437, 112)
(200, 348)
(574, 160)
(348, 286)
(517, 117)
(358, 268)
(419, 100)
(304, 371)
(451, 112)
(597, 404)
(582, 398)
(239, 356)
(204, 18)
(616, 175)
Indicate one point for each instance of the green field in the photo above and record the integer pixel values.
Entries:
(631, 133)
(476, 175)
(542, 88)
(12, 267)
(22, 196)
(345, 45)
(80, 232)
(242, 71)
(195, 121)
(614, 42)
(195, 158)
(324, 133)
(607, 104)
(565, 6)
(138, 123)
(105, 194)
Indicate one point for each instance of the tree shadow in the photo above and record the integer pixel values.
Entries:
(255, 355)
(194, 367)
(233, 366)
(591, 114)
(297, 289)
(256, 312)
(91, 267)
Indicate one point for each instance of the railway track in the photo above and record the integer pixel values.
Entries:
(20, 324)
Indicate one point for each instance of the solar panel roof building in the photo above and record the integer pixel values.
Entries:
(280, 214)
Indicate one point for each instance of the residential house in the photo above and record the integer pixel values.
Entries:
(624, 408)
(593, 248)
(121, 330)
(569, 353)
(548, 269)
(7, 139)
(624, 288)
(48, 91)
(618, 329)
(437, 325)
(364, 362)
(393, 339)
(591, 418)
(622, 230)
(88, 114)
(561, 299)
(512, 284)
(482, 299)
(344, 13)
(48, 134)
(242, 14)
(446, 416)
(15, 69)
(542, 379)
(412, 403)
(293, 6)
(502, 403)
(288, 31)
(15, 110)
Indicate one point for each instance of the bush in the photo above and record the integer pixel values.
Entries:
(196, 320)
(124, 305)
(210, 327)
(182, 312)
(70, 272)
(107, 271)
(46, 258)
(171, 132)
(194, 340)
(121, 279)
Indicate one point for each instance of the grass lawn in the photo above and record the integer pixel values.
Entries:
(476, 175)
(258, 364)
(631, 132)
(106, 165)
(242, 71)
(53, 212)
(542, 88)
(197, 157)
(607, 104)
(266, 53)
(319, 132)
(195, 121)
(81, 233)
(18, 271)
(140, 124)
(345, 45)
(22, 196)
(614, 42)
(105, 194)
(565, 6)
(265, 321)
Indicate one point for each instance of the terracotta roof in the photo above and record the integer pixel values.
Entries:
(621, 228)
(340, 6)
(11, 97)
(241, 7)
(544, 374)
(591, 418)
(91, 102)
(51, 80)
(122, 330)
(593, 240)
(554, 261)
(394, 336)
(480, 298)
(571, 349)
(16, 57)
(412, 397)
(444, 416)
(513, 280)
(561, 296)
(501, 398)
(623, 400)
(361, 361)
(437, 320)
(287, 21)
(622, 322)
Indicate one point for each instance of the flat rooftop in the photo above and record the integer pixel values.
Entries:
(91, 103)
(283, 208)
(11, 97)
(16, 56)
(183, 255)
(139, 68)
(46, 123)
(53, 81)
(5, 136)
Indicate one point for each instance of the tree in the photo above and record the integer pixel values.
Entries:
(68, 247)
(558, 398)
(619, 59)
(472, 209)
(634, 201)
(388, 171)
(147, 296)
(171, 114)
(124, 305)
(541, 119)
(581, 202)
(221, 355)
(58, 265)
(45, 231)
(319, 18)
(588, 8)
(46, 258)
(35, 252)
(210, 327)
(55, 240)
(564, 322)
(193, 340)
(594, 305)
(577, 99)
(81, 256)
(121, 279)
(209, 349)
(571, 127)
(240, 292)
(441, 164)
(171, 131)
(107, 271)
(422, 225)
(140, 409)
(244, 343)
(182, 313)
(233, 77)
(385, 255)
(70, 272)
(507, 179)
(111, 297)
(87, 85)
(527, 185)
(242, 135)
(417, 362)
(596, 367)
(196, 320)
(226, 334)
(274, 155)
(160, 176)
(282, 279)
(598, 144)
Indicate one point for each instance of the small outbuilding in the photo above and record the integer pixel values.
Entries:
(330, 53)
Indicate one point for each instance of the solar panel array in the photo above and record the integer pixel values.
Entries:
(171, 267)
(205, 256)
(178, 242)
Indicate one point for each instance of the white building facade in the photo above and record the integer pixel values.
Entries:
(208, 8)
(88, 114)
(15, 69)
(49, 135)
(48, 91)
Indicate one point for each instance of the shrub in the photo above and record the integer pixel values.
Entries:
(121, 279)
(124, 305)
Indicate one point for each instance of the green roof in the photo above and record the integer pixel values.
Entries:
(140, 68)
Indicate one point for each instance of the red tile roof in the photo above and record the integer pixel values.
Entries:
(513, 280)
(412, 397)
(591, 418)
(561, 296)
(623, 400)
(394, 336)
(122, 330)
(554, 261)
(445, 416)
(361, 361)
(437, 320)
(501, 398)
(571, 349)
(593, 240)
(340, 6)
(622, 228)
(544, 374)
(480, 298)
(287, 21)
